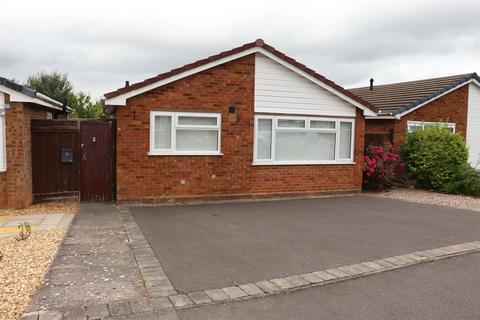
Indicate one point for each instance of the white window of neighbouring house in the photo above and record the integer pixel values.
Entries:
(303, 140)
(184, 133)
(3, 151)
(420, 125)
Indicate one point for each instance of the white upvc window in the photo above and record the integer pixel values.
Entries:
(303, 140)
(3, 147)
(184, 133)
(420, 125)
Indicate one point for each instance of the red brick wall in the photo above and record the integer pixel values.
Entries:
(157, 178)
(452, 107)
(16, 182)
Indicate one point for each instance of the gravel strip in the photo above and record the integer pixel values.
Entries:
(430, 197)
(23, 267)
(65, 206)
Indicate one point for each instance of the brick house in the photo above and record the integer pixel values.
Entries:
(18, 106)
(248, 122)
(453, 101)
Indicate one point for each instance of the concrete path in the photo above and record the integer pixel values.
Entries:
(9, 224)
(94, 264)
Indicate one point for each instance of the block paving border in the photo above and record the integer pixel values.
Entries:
(154, 278)
(258, 289)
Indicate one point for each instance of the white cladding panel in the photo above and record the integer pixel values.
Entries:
(281, 90)
(473, 125)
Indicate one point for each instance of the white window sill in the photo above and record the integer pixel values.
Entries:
(3, 170)
(185, 154)
(296, 163)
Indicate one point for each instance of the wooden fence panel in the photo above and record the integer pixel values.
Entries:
(52, 177)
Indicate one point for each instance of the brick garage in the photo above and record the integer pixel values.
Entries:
(16, 178)
(454, 100)
(150, 178)
(451, 107)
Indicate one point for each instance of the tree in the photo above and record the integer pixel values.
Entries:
(57, 86)
(84, 106)
(54, 85)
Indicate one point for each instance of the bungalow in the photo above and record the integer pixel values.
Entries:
(18, 106)
(403, 107)
(248, 122)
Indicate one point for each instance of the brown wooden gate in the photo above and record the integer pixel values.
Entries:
(72, 157)
(96, 174)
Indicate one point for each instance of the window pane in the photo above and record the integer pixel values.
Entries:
(2, 142)
(197, 121)
(264, 139)
(345, 151)
(283, 123)
(197, 140)
(304, 146)
(415, 127)
(163, 133)
(319, 124)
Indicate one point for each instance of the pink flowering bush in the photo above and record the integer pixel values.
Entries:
(382, 167)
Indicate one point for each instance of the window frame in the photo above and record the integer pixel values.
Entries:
(307, 128)
(411, 123)
(176, 126)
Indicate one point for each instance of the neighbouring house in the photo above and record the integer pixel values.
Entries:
(18, 106)
(248, 122)
(452, 101)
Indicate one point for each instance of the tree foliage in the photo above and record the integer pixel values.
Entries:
(84, 106)
(54, 85)
(434, 155)
(57, 86)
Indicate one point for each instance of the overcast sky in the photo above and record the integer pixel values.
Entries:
(100, 44)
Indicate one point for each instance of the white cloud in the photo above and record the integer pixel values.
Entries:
(103, 43)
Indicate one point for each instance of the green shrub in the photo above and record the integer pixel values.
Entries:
(465, 181)
(433, 156)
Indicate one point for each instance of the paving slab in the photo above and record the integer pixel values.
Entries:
(94, 265)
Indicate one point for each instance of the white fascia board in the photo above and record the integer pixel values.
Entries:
(121, 100)
(381, 117)
(398, 116)
(16, 96)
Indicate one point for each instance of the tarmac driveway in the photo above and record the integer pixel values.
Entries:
(218, 245)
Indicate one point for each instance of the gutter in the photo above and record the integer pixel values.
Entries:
(50, 100)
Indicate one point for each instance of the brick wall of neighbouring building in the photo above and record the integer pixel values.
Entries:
(16, 182)
(452, 107)
(144, 178)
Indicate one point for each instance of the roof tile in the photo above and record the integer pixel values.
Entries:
(257, 43)
(396, 98)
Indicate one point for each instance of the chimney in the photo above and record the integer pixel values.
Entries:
(127, 84)
(371, 84)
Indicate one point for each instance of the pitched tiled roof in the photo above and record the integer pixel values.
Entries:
(396, 98)
(258, 43)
